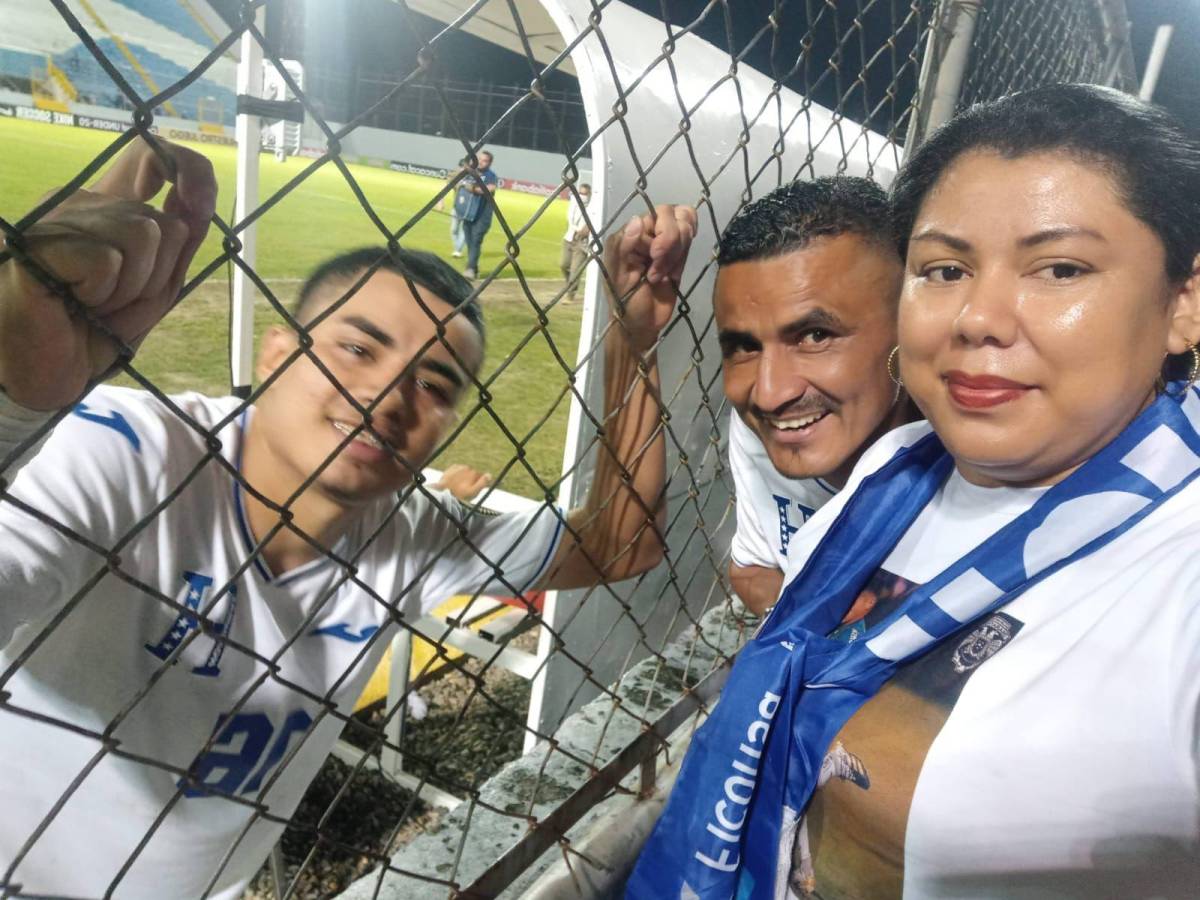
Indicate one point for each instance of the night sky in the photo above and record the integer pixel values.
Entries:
(377, 37)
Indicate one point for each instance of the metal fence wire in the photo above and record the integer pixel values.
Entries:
(1019, 45)
(713, 108)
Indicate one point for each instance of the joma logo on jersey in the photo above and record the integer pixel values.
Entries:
(197, 586)
(786, 528)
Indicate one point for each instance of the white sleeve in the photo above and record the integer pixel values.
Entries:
(479, 551)
(1184, 651)
(17, 426)
(750, 547)
(67, 509)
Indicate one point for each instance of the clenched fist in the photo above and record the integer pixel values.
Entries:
(124, 261)
(645, 261)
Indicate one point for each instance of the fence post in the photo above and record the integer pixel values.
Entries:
(248, 133)
(947, 54)
(1162, 40)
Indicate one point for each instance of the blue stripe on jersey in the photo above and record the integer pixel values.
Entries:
(549, 552)
(113, 420)
(343, 631)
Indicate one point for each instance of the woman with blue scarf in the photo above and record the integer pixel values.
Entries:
(983, 676)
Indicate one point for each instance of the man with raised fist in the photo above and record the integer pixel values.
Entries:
(193, 591)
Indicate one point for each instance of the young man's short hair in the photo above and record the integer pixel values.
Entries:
(421, 268)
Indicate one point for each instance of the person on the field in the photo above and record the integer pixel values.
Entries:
(474, 203)
(1018, 697)
(194, 594)
(458, 237)
(575, 242)
(805, 305)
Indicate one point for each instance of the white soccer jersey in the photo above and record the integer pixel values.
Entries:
(770, 507)
(1052, 751)
(113, 693)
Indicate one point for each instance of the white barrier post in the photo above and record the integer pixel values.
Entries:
(1158, 52)
(248, 132)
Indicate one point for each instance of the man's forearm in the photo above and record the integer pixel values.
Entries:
(758, 586)
(619, 526)
(626, 500)
(618, 533)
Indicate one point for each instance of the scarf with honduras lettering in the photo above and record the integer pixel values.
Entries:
(792, 688)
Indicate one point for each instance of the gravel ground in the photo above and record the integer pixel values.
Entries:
(467, 737)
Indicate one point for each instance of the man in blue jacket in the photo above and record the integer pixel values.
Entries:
(473, 204)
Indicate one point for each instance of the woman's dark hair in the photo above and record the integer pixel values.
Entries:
(417, 266)
(1154, 161)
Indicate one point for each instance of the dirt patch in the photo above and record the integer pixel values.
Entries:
(473, 726)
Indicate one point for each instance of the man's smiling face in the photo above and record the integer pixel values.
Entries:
(805, 338)
(382, 348)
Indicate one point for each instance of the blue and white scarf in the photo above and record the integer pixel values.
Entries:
(792, 688)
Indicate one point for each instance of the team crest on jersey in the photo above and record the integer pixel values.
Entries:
(196, 596)
(983, 643)
(786, 528)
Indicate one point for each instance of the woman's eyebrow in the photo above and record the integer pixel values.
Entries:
(1057, 232)
(1030, 240)
(932, 234)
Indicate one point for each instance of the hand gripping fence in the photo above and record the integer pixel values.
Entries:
(711, 104)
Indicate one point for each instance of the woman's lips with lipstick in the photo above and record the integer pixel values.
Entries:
(982, 391)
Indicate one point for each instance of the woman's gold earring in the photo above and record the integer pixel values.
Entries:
(1195, 371)
(893, 368)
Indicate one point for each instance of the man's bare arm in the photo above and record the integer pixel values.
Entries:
(619, 527)
(758, 586)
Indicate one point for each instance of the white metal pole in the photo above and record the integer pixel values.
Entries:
(392, 761)
(248, 131)
(1162, 40)
(947, 55)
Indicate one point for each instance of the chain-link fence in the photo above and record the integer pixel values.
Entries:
(403, 712)
(1017, 46)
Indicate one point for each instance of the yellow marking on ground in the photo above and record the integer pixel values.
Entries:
(423, 652)
(130, 58)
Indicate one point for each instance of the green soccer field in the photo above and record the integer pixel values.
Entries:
(189, 350)
(318, 218)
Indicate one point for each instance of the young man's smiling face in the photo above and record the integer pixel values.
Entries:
(382, 348)
(805, 338)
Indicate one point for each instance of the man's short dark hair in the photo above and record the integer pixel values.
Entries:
(791, 216)
(421, 268)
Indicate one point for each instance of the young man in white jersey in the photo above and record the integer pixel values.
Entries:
(194, 593)
(805, 304)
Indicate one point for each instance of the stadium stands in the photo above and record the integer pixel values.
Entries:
(152, 43)
(175, 16)
(95, 86)
(19, 65)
